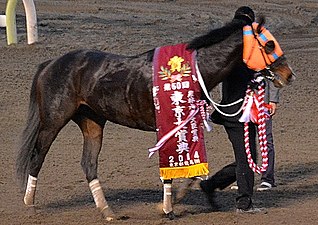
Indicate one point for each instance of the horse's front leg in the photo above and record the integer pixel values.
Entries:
(93, 134)
(167, 199)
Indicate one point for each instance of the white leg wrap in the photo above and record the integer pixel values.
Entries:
(30, 191)
(167, 198)
(98, 194)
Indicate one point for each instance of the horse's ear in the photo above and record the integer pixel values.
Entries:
(261, 22)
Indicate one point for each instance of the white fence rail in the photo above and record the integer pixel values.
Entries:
(10, 21)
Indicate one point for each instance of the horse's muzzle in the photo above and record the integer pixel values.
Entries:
(291, 78)
(281, 82)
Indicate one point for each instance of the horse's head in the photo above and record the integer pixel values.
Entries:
(261, 52)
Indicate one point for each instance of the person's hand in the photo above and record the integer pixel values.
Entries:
(272, 110)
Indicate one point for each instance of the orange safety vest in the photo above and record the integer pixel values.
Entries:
(254, 54)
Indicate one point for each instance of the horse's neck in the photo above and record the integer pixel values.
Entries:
(217, 61)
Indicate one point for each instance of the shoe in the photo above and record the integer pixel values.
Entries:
(251, 210)
(244, 202)
(265, 186)
(234, 187)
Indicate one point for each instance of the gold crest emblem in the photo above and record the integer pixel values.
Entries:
(178, 69)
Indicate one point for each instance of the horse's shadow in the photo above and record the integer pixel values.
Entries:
(115, 197)
(287, 193)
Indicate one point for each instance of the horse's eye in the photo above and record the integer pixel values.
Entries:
(269, 47)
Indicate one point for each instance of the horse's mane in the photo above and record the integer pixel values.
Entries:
(216, 35)
(213, 37)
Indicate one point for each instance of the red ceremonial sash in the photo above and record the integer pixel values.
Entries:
(176, 94)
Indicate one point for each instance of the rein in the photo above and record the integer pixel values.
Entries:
(258, 100)
(216, 105)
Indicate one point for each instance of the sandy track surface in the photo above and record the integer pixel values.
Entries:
(131, 180)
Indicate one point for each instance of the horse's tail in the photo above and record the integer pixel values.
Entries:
(26, 148)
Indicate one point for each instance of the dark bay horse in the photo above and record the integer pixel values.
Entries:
(92, 87)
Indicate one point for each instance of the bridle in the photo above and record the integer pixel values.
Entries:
(269, 74)
(268, 50)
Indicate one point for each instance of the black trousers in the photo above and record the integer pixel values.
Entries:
(239, 170)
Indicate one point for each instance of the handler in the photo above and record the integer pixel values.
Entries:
(271, 98)
(234, 87)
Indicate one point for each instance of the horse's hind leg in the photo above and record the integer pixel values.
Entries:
(93, 134)
(47, 133)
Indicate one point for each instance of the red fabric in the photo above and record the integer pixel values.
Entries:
(255, 111)
(176, 92)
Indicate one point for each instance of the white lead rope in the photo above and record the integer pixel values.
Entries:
(216, 105)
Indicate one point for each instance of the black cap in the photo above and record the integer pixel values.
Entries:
(245, 13)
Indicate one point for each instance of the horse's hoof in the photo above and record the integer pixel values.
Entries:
(108, 214)
(171, 215)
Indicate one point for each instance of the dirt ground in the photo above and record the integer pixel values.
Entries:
(130, 180)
